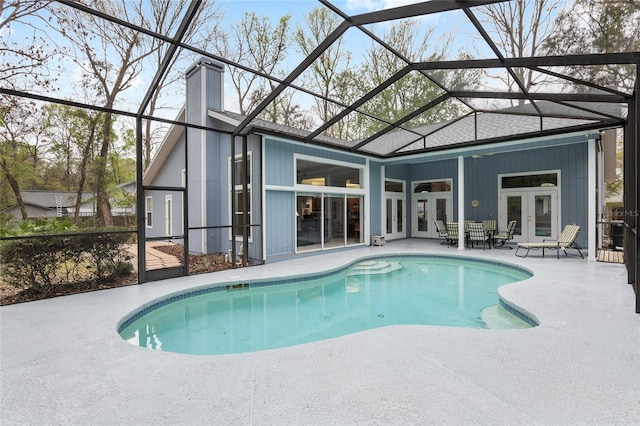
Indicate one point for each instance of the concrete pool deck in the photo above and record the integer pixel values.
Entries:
(62, 361)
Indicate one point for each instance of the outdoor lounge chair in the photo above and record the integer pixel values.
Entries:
(477, 233)
(442, 231)
(505, 236)
(567, 240)
(452, 233)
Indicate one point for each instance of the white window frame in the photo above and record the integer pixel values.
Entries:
(324, 191)
(238, 187)
(168, 215)
(148, 211)
(328, 189)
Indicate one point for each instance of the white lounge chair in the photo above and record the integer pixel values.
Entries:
(567, 240)
(442, 231)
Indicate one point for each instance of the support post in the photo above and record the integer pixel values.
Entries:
(591, 201)
(461, 236)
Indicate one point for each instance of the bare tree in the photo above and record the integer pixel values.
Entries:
(24, 65)
(73, 135)
(110, 57)
(519, 29)
(260, 45)
(24, 62)
(324, 76)
(414, 89)
(598, 26)
(21, 135)
(164, 17)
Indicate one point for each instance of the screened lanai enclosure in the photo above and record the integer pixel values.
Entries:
(212, 95)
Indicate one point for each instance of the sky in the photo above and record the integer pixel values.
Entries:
(354, 39)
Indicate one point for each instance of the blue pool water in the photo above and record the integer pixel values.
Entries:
(372, 293)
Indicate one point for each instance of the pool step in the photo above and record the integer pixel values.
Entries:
(497, 317)
(375, 267)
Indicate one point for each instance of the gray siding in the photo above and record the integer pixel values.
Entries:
(375, 197)
(280, 232)
(568, 154)
(219, 191)
(195, 184)
(279, 159)
(481, 181)
(280, 205)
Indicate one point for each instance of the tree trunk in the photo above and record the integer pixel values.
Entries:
(15, 187)
(83, 166)
(102, 198)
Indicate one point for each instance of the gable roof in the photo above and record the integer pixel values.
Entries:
(50, 199)
(169, 142)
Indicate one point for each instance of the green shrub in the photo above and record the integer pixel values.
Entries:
(104, 253)
(32, 262)
(44, 260)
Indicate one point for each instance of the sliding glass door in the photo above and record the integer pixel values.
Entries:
(326, 221)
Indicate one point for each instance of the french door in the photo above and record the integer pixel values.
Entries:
(395, 216)
(426, 209)
(536, 212)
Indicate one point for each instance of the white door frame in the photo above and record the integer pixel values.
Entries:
(395, 197)
(431, 198)
(526, 223)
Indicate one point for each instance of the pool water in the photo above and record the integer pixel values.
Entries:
(369, 294)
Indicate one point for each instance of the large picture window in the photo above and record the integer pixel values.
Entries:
(309, 172)
(329, 206)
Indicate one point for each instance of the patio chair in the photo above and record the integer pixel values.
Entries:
(505, 236)
(452, 233)
(566, 240)
(442, 231)
(490, 226)
(477, 233)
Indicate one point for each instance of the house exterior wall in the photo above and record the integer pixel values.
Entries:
(32, 212)
(210, 191)
(219, 192)
(280, 193)
(566, 153)
(375, 198)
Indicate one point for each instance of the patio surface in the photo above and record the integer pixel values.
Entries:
(62, 361)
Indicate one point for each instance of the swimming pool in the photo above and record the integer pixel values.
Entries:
(375, 292)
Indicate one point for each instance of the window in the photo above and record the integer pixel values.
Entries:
(168, 215)
(529, 181)
(427, 187)
(393, 186)
(314, 173)
(240, 208)
(149, 211)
